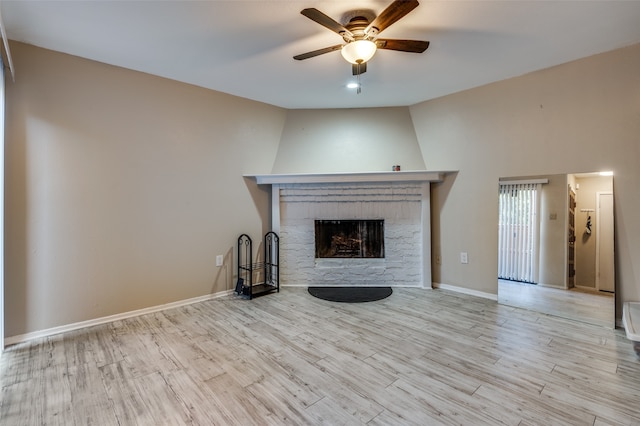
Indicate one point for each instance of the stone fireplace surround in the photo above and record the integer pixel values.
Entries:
(402, 199)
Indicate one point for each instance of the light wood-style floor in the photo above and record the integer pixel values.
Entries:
(581, 305)
(419, 357)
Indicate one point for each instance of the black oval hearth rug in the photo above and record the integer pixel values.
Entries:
(350, 294)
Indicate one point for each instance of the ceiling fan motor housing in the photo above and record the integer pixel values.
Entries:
(357, 26)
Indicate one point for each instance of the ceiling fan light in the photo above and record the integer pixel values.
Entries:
(358, 51)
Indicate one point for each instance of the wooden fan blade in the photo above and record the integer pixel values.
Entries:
(317, 52)
(413, 46)
(325, 21)
(395, 11)
(357, 69)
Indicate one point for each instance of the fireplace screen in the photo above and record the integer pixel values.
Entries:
(349, 238)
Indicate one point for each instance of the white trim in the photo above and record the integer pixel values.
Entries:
(275, 208)
(405, 176)
(426, 235)
(464, 290)
(629, 320)
(20, 338)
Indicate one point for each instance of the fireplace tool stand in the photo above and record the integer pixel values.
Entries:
(262, 277)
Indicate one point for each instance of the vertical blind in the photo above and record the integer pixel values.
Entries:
(518, 232)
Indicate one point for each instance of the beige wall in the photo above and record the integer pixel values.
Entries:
(348, 140)
(121, 188)
(553, 232)
(579, 117)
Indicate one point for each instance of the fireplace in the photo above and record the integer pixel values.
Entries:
(398, 201)
(349, 238)
(330, 231)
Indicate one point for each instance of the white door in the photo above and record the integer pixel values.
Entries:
(605, 267)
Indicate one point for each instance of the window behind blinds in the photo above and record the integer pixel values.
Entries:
(518, 232)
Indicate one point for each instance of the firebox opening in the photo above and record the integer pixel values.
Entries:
(349, 238)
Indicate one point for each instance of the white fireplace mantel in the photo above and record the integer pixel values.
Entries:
(301, 178)
(276, 180)
(411, 183)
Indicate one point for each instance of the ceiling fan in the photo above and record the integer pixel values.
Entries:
(361, 36)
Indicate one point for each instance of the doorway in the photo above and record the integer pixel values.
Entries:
(576, 258)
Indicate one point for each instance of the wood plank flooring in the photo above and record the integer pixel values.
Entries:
(419, 357)
(596, 308)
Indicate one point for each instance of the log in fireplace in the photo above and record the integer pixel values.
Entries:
(349, 238)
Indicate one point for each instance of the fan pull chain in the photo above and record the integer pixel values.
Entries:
(360, 67)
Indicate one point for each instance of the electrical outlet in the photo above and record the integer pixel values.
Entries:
(219, 260)
(464, 257)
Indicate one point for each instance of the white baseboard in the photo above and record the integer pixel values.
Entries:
(465, 291)
(20, 338)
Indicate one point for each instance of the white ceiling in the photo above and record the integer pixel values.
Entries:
(245, 47)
